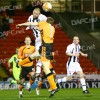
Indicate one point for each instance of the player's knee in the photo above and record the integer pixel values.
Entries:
(35, 55)
(21, 82)
(81, 75)
(49, 74)
(33, 76)
(69, 78)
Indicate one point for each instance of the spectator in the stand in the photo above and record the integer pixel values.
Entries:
(11, 20)
(1, 29)
(1, 26)
(5, 21)
(11, 11)
(32, 5)
(0, 16)
(37, 4)
(29, 7)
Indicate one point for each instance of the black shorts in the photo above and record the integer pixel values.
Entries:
(49, 50)
(25, 71)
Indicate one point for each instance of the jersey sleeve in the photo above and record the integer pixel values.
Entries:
(69, 49)
(11, 59)
(20, 53)
(80, 49)
(41, 24)
(29, 19)
(33, 49)
(42, 17)
(52, 32)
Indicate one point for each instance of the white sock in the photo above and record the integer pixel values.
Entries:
(82, 81)
(28, 85)
(20, 92)
(62, 80)
(59, 81)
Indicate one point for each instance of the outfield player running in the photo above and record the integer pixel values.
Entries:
(16, 71)
(28, 68)
(73, 51)
(46, 49)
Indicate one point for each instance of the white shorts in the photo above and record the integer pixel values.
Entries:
(38, 43)
(38, 63)
(73, 67)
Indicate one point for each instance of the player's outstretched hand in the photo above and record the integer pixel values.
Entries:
(18, 25)
(85, 55)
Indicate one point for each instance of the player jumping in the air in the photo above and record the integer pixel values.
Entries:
(36, 17)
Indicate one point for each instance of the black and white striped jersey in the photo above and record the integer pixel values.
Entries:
(36, 32)
(72, 48)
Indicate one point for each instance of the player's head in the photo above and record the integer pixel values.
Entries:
(17, 49)
(36, 12)
(76, 40)
(50, 20)
(27, 40)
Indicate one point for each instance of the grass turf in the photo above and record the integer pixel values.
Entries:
(63, 94)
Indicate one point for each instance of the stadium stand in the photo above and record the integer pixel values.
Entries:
(15, 38)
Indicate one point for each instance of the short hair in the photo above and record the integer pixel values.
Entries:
(75, 36)
(37, 9)
(27, 37)
(50, 20)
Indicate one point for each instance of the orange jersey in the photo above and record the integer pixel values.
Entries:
(48, 31)
(51, 66)
(25, 52)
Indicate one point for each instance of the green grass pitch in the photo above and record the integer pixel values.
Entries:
(63, 94)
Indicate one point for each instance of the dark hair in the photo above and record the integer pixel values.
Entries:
(50, 20)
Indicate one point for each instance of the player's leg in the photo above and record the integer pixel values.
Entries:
(16, 75)
(38, 87)
(82, 79)
(54, 75)
(32, 76)
(29, 59)
(21, 86)
(41, 78)
(23, 76)
(47, 57)
(70, 71)
(50, 77)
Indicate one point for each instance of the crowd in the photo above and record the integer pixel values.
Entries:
(5, 21)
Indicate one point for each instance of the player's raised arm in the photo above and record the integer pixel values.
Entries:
(27, 24)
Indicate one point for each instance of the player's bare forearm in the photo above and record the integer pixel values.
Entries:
(71, 54)
(27, 24)
(83, 54)
(9, 65)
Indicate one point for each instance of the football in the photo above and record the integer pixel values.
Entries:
(47, 6)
